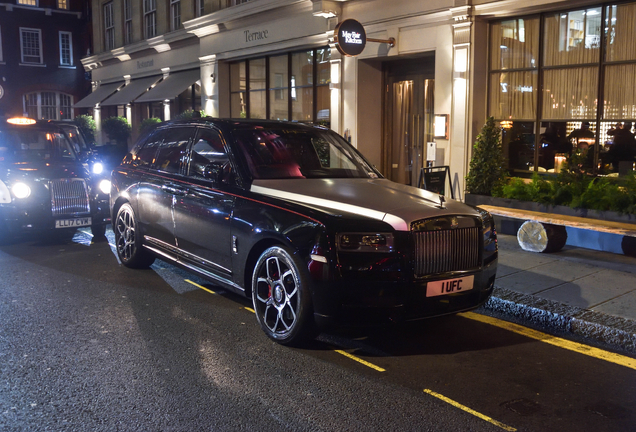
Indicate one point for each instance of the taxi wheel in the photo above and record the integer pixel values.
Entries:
(281, 297)
(128, 240)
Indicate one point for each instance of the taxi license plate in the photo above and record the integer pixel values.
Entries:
(449, 286)
(72, 223)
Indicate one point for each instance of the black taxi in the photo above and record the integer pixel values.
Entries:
(46, 181)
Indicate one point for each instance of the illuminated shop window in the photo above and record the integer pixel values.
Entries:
(568, 115)
(292, 86)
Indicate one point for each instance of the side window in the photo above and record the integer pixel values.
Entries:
(145, 156)
(207, 149)
(172, 150)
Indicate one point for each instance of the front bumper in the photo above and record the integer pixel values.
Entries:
(31, 217)
(354, 302)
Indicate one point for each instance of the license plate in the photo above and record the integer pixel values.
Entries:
(449, 286)
(72, 223)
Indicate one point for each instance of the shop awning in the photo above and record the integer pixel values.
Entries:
(132, 91)
(101, 93)
(172, 86)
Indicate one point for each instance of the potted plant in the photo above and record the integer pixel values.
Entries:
(87, 125)
(147, 124)
(487, 174)
(118, 130)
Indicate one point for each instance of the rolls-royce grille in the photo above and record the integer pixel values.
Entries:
(446, 250)
(69, 196)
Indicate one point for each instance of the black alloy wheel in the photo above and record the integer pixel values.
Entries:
(128, 240)
(281, 297)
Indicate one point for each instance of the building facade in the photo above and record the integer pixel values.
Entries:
(418, 93)
(41, 46)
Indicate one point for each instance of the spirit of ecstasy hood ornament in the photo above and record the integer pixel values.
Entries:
(442, 200)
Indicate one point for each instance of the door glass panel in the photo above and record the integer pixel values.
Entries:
(402, 145)
(173, 149)
(206, 150)
(257, 74)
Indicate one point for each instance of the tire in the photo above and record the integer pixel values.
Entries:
(128, 240)
(281, 297)
(99, 231)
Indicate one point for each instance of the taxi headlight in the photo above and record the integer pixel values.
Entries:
(21, 190)
(5, 196)
(365, 242)
(98, 168)
(104, 186)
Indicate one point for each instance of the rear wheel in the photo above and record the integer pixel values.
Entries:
(128, 240)
(281, 297)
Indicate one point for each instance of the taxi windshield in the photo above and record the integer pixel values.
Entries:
(34, 145)
(299, 153)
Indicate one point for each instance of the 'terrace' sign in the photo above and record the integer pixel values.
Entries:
(350, 37)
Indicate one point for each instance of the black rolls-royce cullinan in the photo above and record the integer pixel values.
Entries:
(295, 217)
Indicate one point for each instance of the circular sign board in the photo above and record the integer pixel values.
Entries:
(350, 37)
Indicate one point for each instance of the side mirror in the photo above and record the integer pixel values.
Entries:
(214, 171)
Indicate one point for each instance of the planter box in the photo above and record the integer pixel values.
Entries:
(473, 199)
(607, 242)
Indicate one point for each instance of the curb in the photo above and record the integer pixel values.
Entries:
(614, 332)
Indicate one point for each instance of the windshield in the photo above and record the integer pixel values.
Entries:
(75, 136)
(280, 153)
(34, 145)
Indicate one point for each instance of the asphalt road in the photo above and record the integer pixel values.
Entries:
(89, 345)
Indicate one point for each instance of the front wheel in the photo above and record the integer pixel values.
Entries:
(281, 297)
(128, 240)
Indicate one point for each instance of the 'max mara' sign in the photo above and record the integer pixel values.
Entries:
(351, 38)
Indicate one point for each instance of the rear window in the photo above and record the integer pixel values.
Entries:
(34, 145)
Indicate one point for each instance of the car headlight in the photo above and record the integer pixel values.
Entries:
(365, 242)
(21, 190)
(98, 168)
(488, 226)
(104, 186)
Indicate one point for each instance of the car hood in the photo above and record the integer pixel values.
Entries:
(398, 205)
(40, 171)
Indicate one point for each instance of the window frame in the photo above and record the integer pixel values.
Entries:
(287, 90)
(128, 22)
(32, 103)
(199, 8)
(109, 25)
(150, 18)
(599, 120)
(70, 48)
(175, 15)
(62, 4)
(24, 30)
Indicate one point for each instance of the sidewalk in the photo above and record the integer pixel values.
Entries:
(578, 293)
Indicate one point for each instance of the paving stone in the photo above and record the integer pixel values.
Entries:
(592, 290)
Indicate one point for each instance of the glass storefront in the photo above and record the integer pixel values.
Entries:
(547, 76)
(292, 86)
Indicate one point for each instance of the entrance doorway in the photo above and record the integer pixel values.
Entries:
(409, 114)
